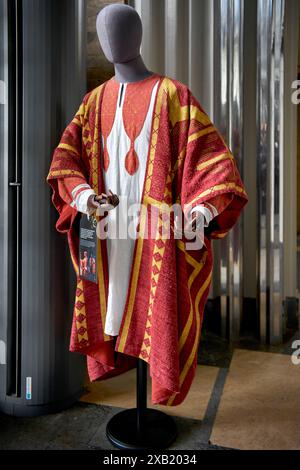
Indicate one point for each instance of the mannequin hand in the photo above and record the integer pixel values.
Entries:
(197, 222)
(193, 226)
(112, 199)
(103, 201)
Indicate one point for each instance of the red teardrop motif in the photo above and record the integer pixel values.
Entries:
(131, 161)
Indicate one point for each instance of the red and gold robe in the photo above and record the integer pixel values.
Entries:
(188, 163)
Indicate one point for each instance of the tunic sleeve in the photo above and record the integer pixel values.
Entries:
(210, 174)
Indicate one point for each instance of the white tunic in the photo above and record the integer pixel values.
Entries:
(129, 188)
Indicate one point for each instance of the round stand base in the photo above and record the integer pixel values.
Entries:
(159, 430)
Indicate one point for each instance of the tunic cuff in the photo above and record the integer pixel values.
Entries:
(81, 201)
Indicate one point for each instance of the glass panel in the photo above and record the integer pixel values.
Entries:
(3, 181)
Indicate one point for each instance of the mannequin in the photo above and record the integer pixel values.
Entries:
(143, 136)
(114, 23)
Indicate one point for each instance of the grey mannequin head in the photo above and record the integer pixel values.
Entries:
(120, 31)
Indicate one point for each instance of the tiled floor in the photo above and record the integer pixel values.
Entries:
(260, 404)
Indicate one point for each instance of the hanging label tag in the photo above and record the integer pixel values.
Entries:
(88, 248)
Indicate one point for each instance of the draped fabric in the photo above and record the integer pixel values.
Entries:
(188, 163)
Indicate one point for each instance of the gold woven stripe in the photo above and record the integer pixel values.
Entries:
(211, 161)
(68, 147)
(65, 172)
(196, 135)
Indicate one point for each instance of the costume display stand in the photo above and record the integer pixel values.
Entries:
(141, 428)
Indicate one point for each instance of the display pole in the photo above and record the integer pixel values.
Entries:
(141, 396)
(141, 428)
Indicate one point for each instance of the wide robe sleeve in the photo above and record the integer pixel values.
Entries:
(209, 172)
(68, 161)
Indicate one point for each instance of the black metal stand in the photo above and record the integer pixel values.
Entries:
(141, 428)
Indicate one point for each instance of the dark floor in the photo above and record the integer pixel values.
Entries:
(217, 351)
(83, 427)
